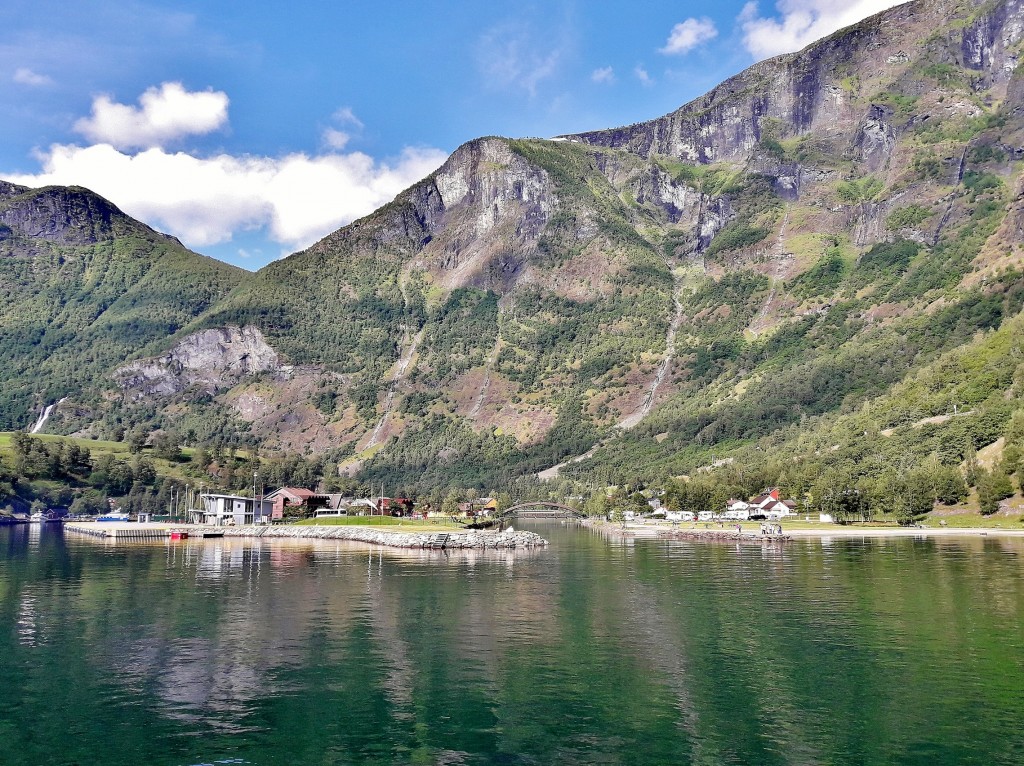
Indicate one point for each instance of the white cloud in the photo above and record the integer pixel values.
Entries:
(509, 57)
(605, 75)
(164, 114)
(335, 139)
(798, 23)
(345, 116)
(25, 76)
(203, 201)
(643, 76)
(688, 34)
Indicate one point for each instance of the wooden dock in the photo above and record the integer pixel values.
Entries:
(128, 530)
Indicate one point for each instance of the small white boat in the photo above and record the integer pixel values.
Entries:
(114, 516)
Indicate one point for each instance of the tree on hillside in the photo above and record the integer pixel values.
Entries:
(89, 504)
(993, 486)
(167, 445)
(971, 465)
(136, 441)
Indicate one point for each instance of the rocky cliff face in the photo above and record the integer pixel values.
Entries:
(206, 361)
(65, 216)
(829, 89)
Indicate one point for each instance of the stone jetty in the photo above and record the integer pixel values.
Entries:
(479, 540)
(721, 536)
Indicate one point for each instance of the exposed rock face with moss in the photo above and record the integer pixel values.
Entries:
(206, 361)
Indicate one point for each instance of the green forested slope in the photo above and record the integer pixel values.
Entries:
(82, 287)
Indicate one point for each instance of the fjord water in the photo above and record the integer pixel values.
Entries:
(590, 651)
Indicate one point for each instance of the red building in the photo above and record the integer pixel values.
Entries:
(295, 501)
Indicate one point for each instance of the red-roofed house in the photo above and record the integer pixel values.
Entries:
(295, 501)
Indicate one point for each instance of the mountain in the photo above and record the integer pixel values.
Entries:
(82, 287)
(738, 278)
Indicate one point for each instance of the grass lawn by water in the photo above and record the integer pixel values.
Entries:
(393, 523)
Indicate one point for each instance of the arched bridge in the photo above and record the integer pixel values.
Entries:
(541, 510)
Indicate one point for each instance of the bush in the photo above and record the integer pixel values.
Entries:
(903, 217)
(992, 487)
(736, 235)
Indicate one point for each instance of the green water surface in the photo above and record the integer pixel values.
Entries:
(592, 651)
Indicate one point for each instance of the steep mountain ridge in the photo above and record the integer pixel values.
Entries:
(795, 243)
(822, 88)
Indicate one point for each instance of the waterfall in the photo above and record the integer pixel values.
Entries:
(44, 416)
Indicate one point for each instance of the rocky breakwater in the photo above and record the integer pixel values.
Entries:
(477, 540)
(719, 535)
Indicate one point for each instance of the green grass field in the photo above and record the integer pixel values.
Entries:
(398, 525)
(98, 448)
(975, 519)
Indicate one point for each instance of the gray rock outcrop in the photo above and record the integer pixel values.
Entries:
(208, 361)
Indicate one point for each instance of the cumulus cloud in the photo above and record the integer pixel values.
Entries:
(798, 23)
(643, 76)
(605, 75)
(688, 34)
(294, 199)
(298, 198)
(164, 114)
(25, 76)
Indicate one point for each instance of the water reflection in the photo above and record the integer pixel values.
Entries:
(596, 649)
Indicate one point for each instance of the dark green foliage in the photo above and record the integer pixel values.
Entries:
(884, 264)
(982, 153)
(993, 486)
(735, 235)
(823, 278)
(905, 217)
(755, 203)
(462, 331)
(418, 402)
(887, 259)
(773, 148)
(978, 182)
(325, 401)
(364, 397)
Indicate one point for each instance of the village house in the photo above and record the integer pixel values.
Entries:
(295, 501)
(222, 510)
(738, 510)
(481, 506)
(770, 505)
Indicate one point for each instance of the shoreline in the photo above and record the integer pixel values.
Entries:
(661, 531)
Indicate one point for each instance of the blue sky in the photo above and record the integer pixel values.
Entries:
(249, 130)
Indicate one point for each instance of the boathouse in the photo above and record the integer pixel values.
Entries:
(223, 510)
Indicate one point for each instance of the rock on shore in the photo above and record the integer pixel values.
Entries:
(510, 538)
